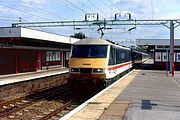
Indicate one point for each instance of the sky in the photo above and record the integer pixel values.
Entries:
(65, 10)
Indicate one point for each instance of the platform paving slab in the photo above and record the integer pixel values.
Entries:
(115, 111)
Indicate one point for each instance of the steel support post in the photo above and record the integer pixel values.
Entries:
(172, 47)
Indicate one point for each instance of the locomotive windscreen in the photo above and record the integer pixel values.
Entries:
(89, 51)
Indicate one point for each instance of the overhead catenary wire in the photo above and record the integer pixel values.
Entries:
(8, 19)
(111, 10)
(76, 6)
(114, 5)
(39, 9)
(68, 2)
(107, 5)
(18, 11)
(86, 6)
(97, 8)
(24, 12)
(61, 4)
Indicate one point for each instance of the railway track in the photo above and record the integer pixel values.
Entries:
(40, 104)
(50, 104)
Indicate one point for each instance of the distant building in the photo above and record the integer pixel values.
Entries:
(26, 50)
(160, 49)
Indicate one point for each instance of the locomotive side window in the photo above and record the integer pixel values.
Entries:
(118, 56)
(111, 56)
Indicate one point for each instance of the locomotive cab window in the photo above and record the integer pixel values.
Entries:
(90, 51)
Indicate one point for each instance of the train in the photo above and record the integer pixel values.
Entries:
(138, 57)
(100, 62)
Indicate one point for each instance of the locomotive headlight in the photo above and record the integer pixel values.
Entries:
(74, 69)
(97, 70)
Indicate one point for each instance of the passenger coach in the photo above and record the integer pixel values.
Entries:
(97, 61)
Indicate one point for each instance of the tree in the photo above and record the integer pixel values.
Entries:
(79, 35)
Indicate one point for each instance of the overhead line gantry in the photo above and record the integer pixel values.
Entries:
(90, 23)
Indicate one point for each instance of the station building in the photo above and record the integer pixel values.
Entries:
(27, 50)
(160, 49)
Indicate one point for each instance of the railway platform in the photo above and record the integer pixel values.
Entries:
(142, 94)
(15, 86)
(20, 77)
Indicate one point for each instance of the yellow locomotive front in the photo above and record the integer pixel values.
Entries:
(88, 61)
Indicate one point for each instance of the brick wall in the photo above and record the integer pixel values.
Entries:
(16, 90)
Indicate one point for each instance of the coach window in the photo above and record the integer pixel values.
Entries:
(127, 56)
(122, 56)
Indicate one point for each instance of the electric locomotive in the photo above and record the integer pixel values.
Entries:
(97, 61)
